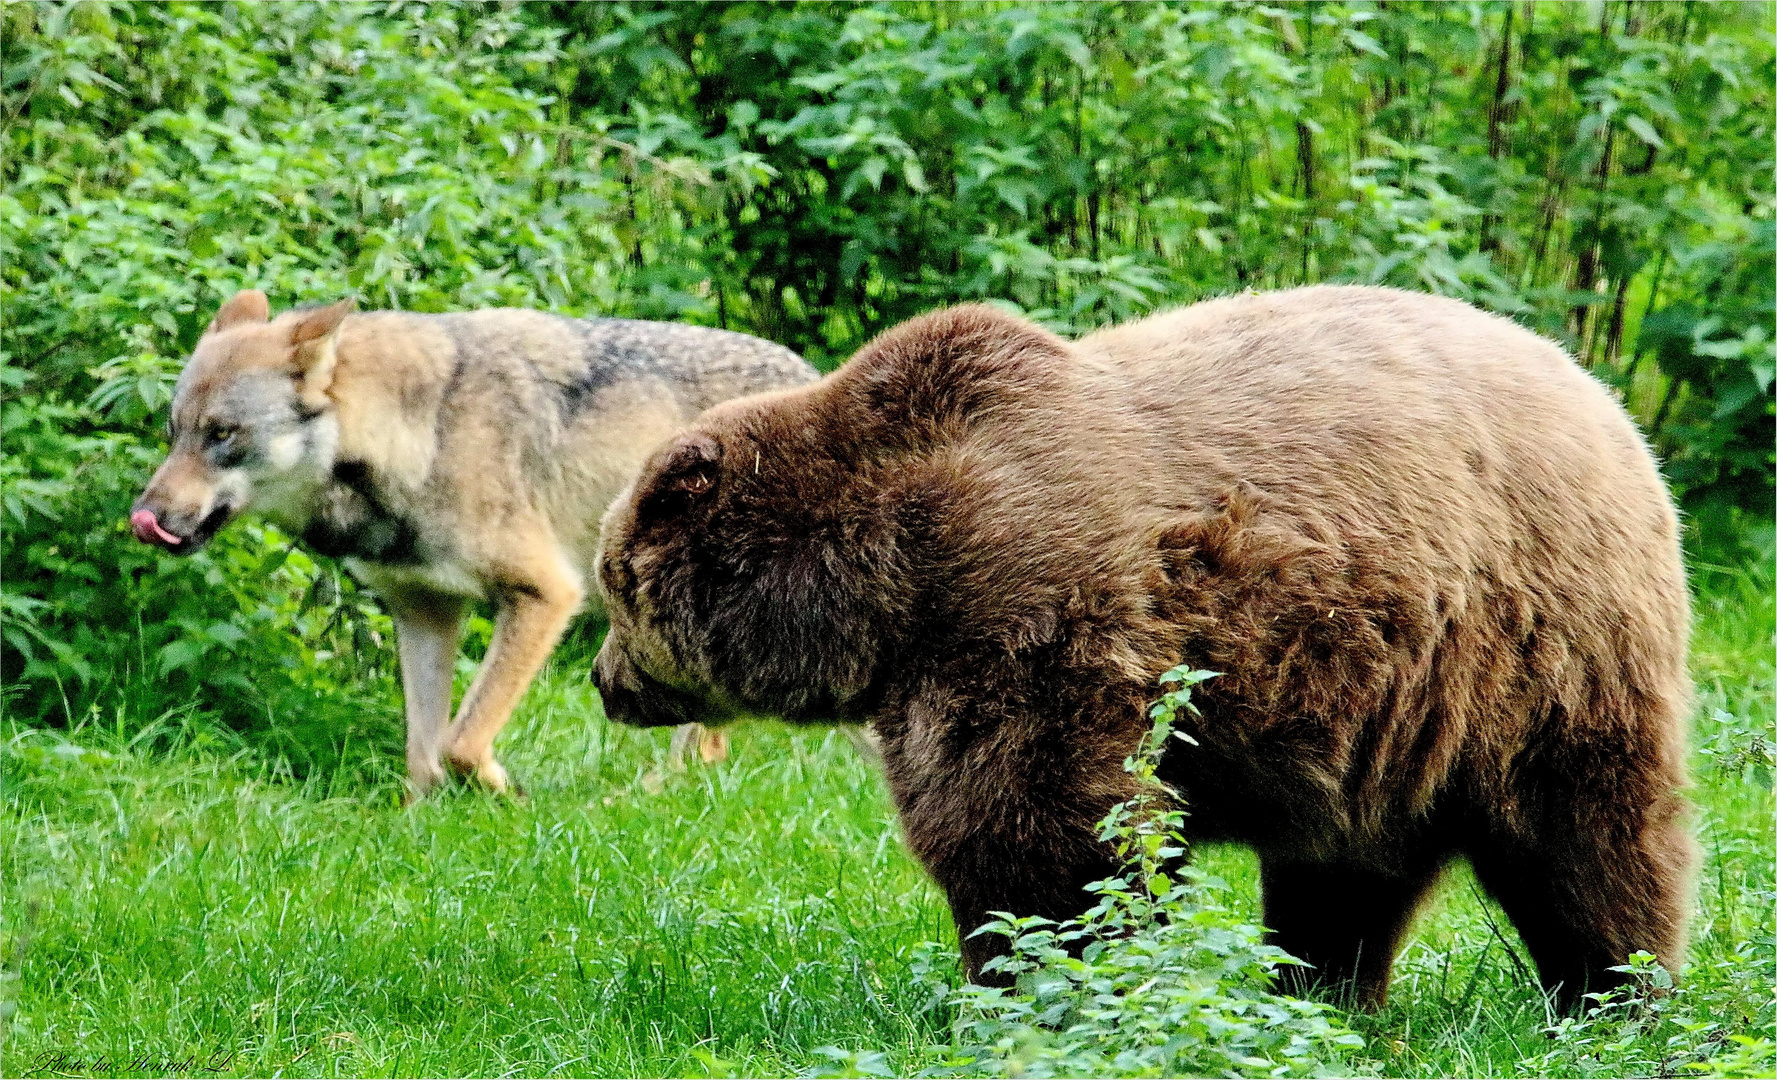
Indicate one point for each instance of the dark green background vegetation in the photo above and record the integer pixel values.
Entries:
(813, 174)
(1602, 172)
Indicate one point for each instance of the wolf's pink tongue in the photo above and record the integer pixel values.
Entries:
(147, 527)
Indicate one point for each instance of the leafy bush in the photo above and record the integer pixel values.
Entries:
(815, 173)
(159, 158)
(1614, 1035)
(251, 625)
(1159, 978)
(1602, 173)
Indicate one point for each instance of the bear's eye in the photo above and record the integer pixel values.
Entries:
(688, 473)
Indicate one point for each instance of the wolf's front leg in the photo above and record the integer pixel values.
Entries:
(710, 745)
(533, 612)
(427, 629)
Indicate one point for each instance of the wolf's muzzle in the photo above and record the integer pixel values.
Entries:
(146, 525)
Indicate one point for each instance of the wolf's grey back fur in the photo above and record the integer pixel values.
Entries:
(708, 366)
(698, 365)
(702, 365)
(500, 412)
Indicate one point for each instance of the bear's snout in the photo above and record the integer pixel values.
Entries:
(618, 684)
(634, 697)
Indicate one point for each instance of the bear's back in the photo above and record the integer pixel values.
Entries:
(1415, 419)
(1435, 501)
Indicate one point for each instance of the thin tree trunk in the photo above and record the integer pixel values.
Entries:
(1653, 301)
(1496, 120)
(1305, 151)
(1073, 217)
(1588, 263)
(1092, 219)
(1496, 114)
(629, 190)
(1585, 273)
(1613, 337)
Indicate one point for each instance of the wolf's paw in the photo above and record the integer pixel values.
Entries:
(713, 746)
(485, 771)
(422, 779)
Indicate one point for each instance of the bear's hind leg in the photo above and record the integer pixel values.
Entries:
(1347, 921)
(1583, 906)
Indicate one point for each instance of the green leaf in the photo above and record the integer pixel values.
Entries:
(1643, 130)
(181, 653)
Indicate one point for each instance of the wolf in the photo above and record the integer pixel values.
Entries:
(444, 459)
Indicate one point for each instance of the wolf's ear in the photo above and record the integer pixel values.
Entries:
(689, 472)
(316, 323)
(314, 333)
(246, 306)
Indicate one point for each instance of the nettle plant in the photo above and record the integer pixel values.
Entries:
(1159, 978)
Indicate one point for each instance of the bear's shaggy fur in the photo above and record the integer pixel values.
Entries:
(1432, 558)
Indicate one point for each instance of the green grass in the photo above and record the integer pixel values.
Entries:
(172, 892)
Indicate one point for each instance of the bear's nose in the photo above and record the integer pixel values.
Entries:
(615, 679)
(611, 668)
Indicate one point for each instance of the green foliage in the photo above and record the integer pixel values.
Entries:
(815, 173)
(55, 479)
(1591, 169)
(1654, 1026)
(1158, 978)
(158, 157)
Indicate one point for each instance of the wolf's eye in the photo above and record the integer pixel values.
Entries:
(217, 434)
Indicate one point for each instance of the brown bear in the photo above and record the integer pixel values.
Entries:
(1431, 557)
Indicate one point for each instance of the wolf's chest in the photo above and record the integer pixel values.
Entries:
(351, 522)
(380, 545)
(448, 577)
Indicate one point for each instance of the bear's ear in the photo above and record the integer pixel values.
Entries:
(814, 622)
(934, 375)
(246, 306)
(687, 474)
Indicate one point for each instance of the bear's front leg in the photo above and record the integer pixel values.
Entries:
(1345, 921)
(989, 878)
(1005, 822)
